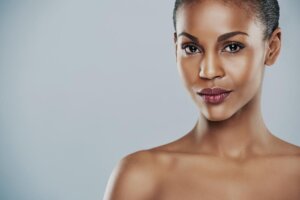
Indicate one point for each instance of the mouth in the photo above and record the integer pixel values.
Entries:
(214, 95)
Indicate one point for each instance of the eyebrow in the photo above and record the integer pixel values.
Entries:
(220, 38)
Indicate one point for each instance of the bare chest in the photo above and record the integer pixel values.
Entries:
(214, 181)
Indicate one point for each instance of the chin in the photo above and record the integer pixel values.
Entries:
(216, 116)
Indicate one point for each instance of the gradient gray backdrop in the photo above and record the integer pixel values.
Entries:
(84, 83)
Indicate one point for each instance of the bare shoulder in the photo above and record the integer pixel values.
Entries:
(296, 152)
(291, 155)
(289, 148)
(135, 176)
(292, 162)
(295, 155)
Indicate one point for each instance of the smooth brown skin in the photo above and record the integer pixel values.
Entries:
(229, 154)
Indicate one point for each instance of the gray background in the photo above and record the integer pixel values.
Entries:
(84, 83)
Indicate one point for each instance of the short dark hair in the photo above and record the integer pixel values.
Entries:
(266, 11)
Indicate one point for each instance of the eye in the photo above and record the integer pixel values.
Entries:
(234, 47)
(190, 49)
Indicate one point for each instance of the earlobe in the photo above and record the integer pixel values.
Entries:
(274, 46)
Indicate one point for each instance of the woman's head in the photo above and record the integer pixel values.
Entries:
(222, 43)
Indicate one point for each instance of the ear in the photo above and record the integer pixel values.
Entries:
(175, 43)
(274, 46)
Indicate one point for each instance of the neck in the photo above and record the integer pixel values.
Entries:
(242, 134)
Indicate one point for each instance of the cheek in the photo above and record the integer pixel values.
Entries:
(188, 70)
(245, 71)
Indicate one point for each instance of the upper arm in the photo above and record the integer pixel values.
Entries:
(132, 178)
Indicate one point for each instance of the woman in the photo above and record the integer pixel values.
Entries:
(222, 49)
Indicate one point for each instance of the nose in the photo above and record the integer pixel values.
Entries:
(210, 67)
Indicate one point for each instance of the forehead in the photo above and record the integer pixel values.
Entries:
(216, 17)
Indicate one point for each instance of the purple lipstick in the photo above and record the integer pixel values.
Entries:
(214, 95)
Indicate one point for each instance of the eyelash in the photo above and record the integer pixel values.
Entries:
(239, 45)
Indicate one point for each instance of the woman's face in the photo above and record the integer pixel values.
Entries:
(220, 46)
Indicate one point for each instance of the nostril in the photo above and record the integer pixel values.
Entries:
(211, 73)
(210, 76)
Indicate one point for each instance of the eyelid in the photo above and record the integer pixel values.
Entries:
(233, 42)
(190, 44)
(240, 45)
(184, 45)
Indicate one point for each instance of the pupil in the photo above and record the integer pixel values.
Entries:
(193, 48)
(232, 47)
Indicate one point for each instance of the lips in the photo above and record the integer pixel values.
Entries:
(214, 95)
(213, 91)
